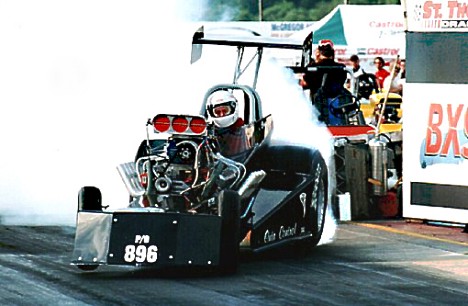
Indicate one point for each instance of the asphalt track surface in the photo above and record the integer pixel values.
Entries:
(364, 265)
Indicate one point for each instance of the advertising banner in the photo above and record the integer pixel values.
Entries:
(435, 154)
(435, 129)
(437, 15)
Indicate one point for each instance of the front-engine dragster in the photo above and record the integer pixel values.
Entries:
(196, 201)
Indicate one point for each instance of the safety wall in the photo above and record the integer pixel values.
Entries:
(435, 134)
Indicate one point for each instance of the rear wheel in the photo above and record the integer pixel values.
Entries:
(318, 202)
(304, 160)
(229, 208)
(89, 198)
(290, 159)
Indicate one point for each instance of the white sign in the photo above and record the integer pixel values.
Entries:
(435, 152)
(437, 15)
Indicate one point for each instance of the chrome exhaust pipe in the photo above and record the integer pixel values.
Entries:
(251, 183)
(130, 178)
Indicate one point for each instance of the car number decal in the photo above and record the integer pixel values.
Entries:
(141, 253)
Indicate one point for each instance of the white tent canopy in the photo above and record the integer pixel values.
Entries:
(365, 30)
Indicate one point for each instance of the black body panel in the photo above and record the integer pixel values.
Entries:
(174, 238)
(280, 214)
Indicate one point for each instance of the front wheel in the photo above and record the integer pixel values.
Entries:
(89, 198)
(87, 267)
(229, 210)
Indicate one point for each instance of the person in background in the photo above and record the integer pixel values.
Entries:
(403, 69)
(402, 74)
(335, 78)
(325, 78)
(357, 69)
(394, 83)
(381, 73)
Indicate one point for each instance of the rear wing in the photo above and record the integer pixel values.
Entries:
(254, 40)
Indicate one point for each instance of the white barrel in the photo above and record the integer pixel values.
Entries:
(344, 204)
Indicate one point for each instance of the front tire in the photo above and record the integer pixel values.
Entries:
(229, 210)
(87, 267)
(89, 199)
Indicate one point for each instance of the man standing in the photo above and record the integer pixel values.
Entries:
(330, 80)
(357, 69)
(381, 73)
(325, 78)
(394, 83)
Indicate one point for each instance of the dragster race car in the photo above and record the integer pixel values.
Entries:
(193, 203)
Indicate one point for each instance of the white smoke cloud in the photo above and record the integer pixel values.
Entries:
(296, 121)
(79, 80)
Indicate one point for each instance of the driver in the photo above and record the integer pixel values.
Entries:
(223, 109)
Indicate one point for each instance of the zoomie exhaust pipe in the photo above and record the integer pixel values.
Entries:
(251, 183)
(131, 180)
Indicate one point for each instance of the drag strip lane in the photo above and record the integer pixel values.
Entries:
(362, 266)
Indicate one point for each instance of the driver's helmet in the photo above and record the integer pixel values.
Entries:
(222, 108)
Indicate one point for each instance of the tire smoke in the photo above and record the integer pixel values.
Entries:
(79, 81)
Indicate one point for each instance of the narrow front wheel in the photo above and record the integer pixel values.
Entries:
(89, 199)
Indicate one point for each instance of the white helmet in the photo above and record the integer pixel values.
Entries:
(222, 108)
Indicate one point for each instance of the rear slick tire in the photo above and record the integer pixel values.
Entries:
(304, 160)
(319, 199)
(229, 210)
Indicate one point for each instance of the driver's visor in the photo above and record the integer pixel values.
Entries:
(222, 110)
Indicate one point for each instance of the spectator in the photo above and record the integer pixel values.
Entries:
(403, 69)
(357, 69)
(325, 78)
(381, 73)
(393, 83)
(357, 72)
